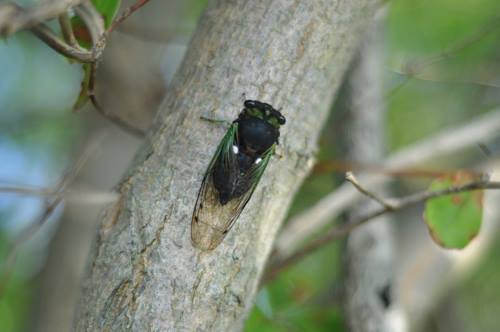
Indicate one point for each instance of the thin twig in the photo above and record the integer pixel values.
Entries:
(94, 22)
(412, 69)
(67, 30)
(95, 25)
(112, 117)
(70, 48)
(352, 179)
(126, 13)
(43, 32)
(428, 78)
(451, 51)
(43, 192)
(339, 232)
(81, 196)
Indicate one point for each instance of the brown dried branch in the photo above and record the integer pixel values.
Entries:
(397, 204)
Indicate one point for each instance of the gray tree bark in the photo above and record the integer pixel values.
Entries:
(144, 274)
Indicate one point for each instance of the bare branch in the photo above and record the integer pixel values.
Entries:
(352, 179)
(43, 32)
(339, 232)
(67, 30)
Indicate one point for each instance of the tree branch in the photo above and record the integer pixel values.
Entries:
(144, 273)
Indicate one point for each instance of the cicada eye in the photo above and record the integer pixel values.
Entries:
(249, 103)
(281, 120)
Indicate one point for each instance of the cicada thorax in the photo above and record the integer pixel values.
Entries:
(255, 136)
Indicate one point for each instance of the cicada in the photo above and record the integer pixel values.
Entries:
(234, 172)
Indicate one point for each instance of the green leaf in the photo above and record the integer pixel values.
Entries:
(83, 97)
(108, 9)
(454, 220)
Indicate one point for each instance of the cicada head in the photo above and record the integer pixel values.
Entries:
(266, 112)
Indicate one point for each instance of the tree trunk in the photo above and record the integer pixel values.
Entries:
(144, 274)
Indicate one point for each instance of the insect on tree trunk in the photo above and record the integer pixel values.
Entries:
(144, 274)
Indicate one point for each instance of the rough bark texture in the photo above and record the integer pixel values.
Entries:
(144, 274)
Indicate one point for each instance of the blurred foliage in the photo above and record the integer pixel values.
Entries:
(454, 87)
(303, 297)
(477, 298)
(37, 133)
(16, 296)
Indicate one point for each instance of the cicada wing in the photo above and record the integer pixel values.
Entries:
(203, 234)
(211, 220)
(253, 176)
